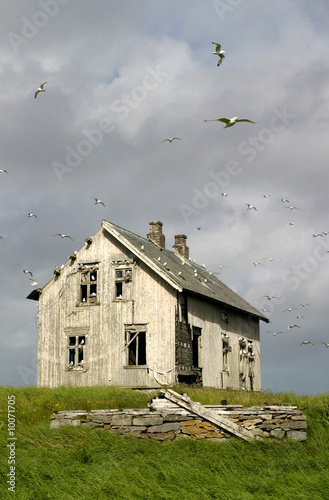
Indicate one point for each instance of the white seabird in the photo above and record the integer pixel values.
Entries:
(229, 122)
(63, 235)
(97, 201)
(219, 52)
(40, 89)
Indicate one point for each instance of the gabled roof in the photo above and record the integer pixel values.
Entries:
(181, 274)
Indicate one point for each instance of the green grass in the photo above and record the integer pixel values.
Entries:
(79, 462)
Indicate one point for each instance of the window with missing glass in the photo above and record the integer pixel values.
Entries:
(88, 283)
(123, 279)
(76, 350)
(135, 345)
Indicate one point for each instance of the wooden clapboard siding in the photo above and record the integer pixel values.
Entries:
(153, 303)
(208, 316)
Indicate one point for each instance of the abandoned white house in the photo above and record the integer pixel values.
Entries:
(126, 311)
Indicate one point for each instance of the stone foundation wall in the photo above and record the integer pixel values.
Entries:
(164, 420)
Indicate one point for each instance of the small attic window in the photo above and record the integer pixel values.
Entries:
(88, 283)
(123, 282)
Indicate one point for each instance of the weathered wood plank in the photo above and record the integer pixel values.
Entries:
(209, 415)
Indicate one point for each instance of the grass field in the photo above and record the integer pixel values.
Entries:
(83, 463)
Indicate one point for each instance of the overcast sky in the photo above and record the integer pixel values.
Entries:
(122, 77)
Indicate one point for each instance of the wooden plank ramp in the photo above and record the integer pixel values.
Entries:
(217, 420)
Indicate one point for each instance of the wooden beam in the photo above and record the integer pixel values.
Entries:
(210, 416)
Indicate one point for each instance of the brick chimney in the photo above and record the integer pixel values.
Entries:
(155, 235)
(180, 248)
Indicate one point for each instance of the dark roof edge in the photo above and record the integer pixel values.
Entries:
(224, 304)
(35, 294)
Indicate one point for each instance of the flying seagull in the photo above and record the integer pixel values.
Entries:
(292, 208)
(97, 201)
(325, 343)
(229, 122)
(170, 139)
(2, 171)
(63, 236)
(293, 326)
(270, 297)
(285, 200)
(34, 282)
(289, 309)
(40, 89)
(273, 333)
(305, 342)
(249, 207)
(31, 215)
(26, 271)
(219, 52)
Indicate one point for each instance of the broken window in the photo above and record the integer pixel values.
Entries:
(123, 278)
(76, 346)
(88, 283)
(136, 347)
(225, 316)
(196, 339)
(226, 348)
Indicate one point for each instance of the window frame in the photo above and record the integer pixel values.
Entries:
(136, 345)
(76, 351)
(126, 271)
(88, 287)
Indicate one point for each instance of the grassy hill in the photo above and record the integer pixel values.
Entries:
(84, 463)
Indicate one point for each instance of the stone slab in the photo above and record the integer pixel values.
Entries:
(169, 426)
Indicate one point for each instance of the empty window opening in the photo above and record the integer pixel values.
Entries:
(118, 290)
(88, 283)
(123, 279)
(225, 357)
(196, 333)
(84, 293)
(136, 345)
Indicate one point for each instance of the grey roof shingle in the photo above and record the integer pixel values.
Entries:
(193, 278)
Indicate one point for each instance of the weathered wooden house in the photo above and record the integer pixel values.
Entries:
(127, 311)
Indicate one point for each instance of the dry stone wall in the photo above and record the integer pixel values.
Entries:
(165, 420)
